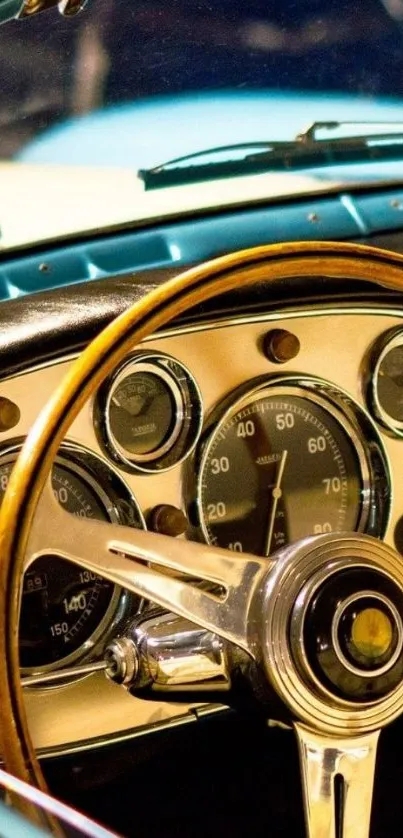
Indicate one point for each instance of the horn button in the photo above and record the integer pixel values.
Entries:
(353, 635)
(368, 633)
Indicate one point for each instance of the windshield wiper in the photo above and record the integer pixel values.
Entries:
(378, 141)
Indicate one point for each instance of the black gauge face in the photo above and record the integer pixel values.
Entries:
(148, 415)
(142, 413)
(62, 604)
(389, 383)
(279, 467)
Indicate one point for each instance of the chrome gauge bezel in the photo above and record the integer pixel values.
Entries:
(187, 422)
(389, 341)
(351, 416)
(177, 399)
(118, 502)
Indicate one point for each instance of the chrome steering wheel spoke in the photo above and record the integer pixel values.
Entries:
(160, 568)
(264, 607)
(338, 779)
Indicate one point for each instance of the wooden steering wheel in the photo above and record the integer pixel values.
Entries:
(32, 522)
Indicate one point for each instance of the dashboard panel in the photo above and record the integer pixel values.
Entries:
(229, 403)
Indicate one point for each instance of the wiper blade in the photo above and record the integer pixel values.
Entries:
(378, 141)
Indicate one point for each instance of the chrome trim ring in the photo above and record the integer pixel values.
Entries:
(187, 413)
(387, 343)
(312, 562)
(177, 399)
(298, 621)
(351, 417)
(355, 670)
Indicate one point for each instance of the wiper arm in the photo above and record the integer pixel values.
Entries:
(383, 143)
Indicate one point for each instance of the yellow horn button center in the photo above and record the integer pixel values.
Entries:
(372, 633)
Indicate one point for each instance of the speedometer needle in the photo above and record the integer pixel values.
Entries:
(276, 495)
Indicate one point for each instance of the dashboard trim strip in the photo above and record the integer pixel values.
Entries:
(211, 324)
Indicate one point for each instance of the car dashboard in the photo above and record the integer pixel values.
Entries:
(254, 423)
(184, 640)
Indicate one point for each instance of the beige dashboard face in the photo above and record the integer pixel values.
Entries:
(334, 345)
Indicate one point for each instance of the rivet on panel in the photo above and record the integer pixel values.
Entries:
(280, 346)
(10, 414)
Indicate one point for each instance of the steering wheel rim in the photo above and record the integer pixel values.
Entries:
(263, 265)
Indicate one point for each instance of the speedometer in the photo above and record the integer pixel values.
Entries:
(289, 461)
(65, 610)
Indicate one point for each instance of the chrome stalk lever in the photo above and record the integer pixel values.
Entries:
(163, 654)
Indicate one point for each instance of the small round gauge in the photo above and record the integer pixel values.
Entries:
(149, 414)
(286, 462)
(65, 609)
(146, 413)
(387, 384)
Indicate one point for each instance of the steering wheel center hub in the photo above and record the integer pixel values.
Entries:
(332, 643)
(350, 633)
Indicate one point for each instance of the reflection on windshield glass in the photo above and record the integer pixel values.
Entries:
(120, 51)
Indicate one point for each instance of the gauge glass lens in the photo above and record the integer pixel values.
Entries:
(389, 383)
(149, 414)
(279, 467)
(142, 413)
(62, 604)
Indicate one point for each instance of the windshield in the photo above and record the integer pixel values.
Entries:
(133, 83)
